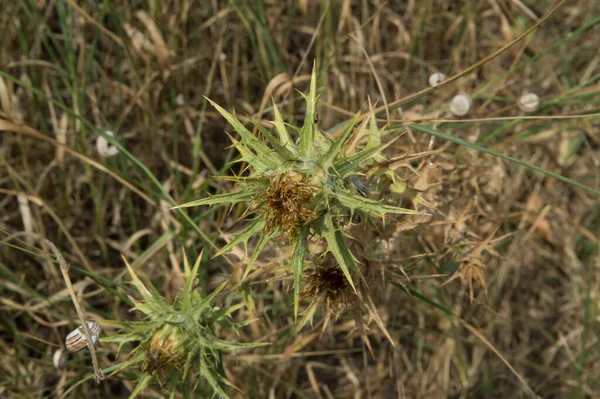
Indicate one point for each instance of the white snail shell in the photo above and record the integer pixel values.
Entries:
(529, 102)
(436, 78)
(76, 339)
(460, 104)
(104, 149)
(59, 358)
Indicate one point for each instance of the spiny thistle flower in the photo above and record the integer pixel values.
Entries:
(164, 353)
(328, 286)
(286, 199)
(325, 284)
(178, 343)
(301, 186)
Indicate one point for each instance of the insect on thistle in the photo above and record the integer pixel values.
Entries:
(360, 186)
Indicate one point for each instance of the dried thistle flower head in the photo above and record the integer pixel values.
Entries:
(470, 271)
(327, 284)
(164, 353)
(287, 200)
(471, 266)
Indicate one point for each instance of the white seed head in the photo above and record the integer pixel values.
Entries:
(460, 104)
(104, 149)
(76, 339)
(436, 78)
(529, 102)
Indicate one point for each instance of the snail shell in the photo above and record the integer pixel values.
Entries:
(59, 358)
(104, 149)
(76, 340)
(460, 104)
(436, 78)
(529, 102)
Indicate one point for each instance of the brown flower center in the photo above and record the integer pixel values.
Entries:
(286, 200)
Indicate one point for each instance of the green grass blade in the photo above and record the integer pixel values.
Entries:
(139, 285)
(428, 130)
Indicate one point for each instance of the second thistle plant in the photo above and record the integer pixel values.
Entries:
(178, 344)
(300, 185)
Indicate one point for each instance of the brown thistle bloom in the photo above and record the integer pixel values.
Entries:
(286, 200)
(328, 285)
(162, 356)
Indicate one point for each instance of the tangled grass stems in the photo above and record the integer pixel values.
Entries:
(64, 269)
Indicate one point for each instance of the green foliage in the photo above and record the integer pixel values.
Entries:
(300, 187)
(178, 343)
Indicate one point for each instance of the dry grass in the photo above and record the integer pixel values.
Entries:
(524, 321)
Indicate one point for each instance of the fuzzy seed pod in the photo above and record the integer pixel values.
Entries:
(460, 104)
(436, 78)
(529, 102)
(104, 149)
(76, 339)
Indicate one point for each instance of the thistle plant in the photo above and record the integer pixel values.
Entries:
(178, 344)
(300, 185)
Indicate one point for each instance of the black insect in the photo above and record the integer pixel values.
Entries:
(360, 185)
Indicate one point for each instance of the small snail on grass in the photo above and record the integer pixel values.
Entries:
(529, 102)
(436, 78)
(76, 339)
(460, 104)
